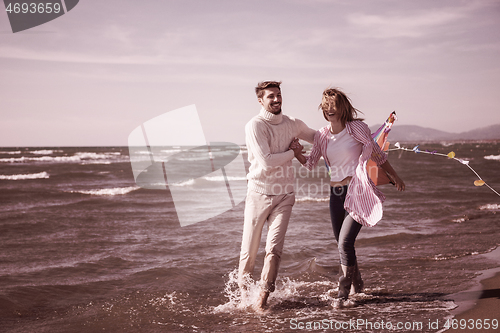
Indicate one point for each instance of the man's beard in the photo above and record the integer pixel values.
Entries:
(275, 112)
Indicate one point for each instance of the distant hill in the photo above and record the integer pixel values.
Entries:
(412, 133)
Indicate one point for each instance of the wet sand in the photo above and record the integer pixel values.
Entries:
(486, 307)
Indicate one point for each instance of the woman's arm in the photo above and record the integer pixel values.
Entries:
(398, 182)
(309, 162)
(298, 151)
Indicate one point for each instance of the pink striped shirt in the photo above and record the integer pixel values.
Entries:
(363, 200)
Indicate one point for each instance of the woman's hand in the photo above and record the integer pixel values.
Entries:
(398, 182)
(297, 148)
(393, 176)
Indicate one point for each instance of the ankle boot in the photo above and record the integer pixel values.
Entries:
(345, 281)
(357, 282)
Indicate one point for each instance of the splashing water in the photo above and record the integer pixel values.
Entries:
(289, 293)
(233, 292)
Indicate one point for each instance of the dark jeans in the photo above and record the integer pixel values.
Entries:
(345, 228)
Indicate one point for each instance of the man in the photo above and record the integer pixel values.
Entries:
(271, 178)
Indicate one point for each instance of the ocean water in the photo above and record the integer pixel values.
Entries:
(84, 249)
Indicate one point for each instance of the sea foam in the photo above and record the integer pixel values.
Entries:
(45, 152)
(490, 207)
(492, 157)
(40, 175)
(222, 178)
(79, 157)
(311, 199)
(109, 191)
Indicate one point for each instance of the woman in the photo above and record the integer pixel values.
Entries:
(346, 145)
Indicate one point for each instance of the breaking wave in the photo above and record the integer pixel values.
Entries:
(40, 175)
(109, 191)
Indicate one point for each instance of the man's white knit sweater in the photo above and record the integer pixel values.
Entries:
(268, 137)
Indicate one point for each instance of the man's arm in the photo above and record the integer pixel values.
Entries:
(258, 142)
(305, 133)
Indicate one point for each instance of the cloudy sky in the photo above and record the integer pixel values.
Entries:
(91, 76)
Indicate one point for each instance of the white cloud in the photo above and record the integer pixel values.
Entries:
(120, 34)
(73, 57)
(407, 25)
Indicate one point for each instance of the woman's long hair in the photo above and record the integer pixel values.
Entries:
(333, 97)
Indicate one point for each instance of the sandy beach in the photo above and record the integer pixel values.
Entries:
(481, 306)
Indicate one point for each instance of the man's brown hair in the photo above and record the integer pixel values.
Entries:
(261, 86)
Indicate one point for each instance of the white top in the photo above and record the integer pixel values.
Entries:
(363, 200)
(343, 152)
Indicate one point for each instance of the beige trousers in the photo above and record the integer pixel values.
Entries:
(259, 208)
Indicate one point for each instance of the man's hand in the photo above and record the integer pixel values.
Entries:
(297, 148)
